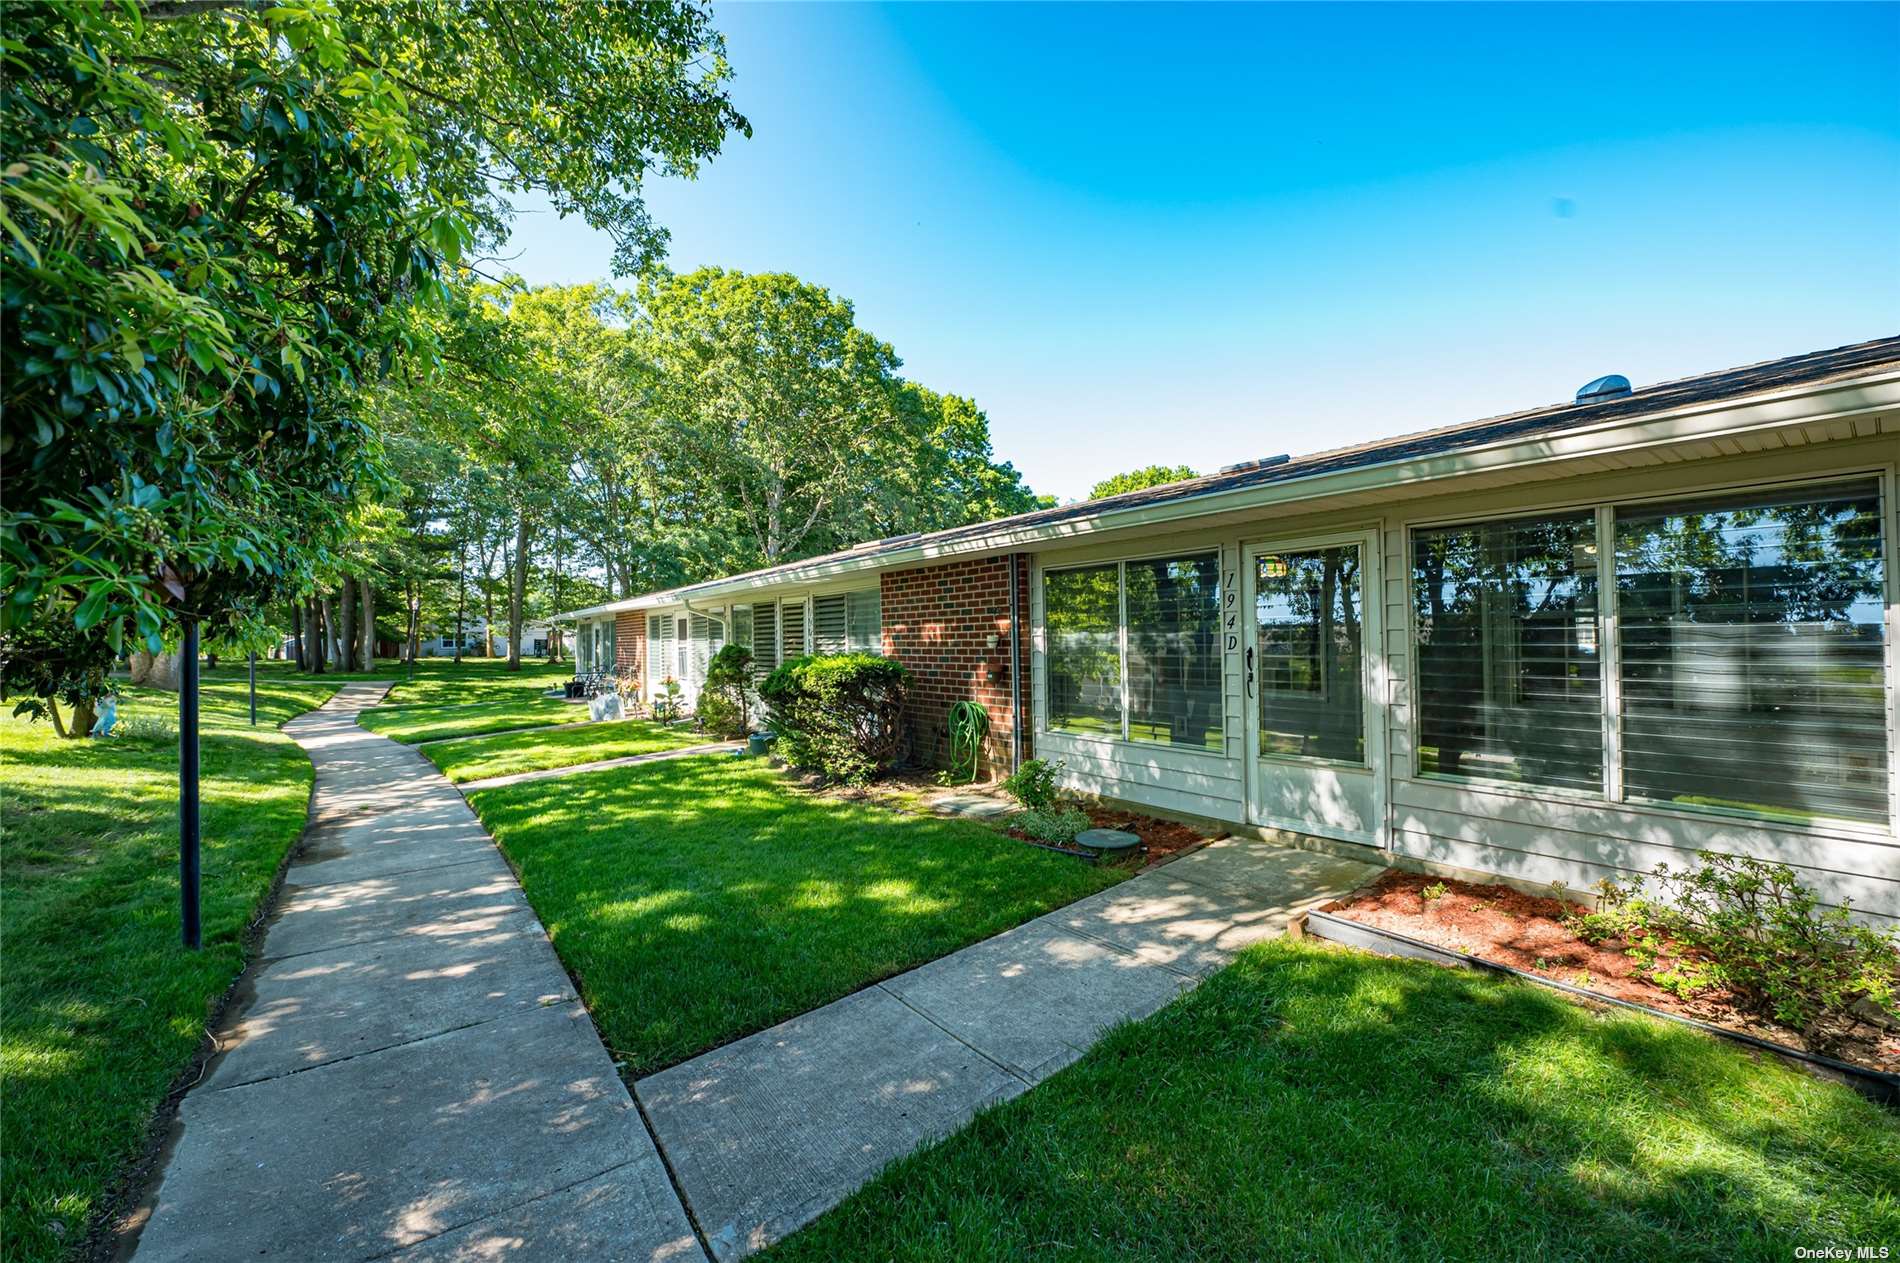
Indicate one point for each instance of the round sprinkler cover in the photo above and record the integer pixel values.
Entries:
(1107, 839)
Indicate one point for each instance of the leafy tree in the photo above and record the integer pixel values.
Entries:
(779, 396)
(948, 476)
(1140, 479)
(219, 219)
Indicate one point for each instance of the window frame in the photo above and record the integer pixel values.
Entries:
(1121, 564)
(1611, 792)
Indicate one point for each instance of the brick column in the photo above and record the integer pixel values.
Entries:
(950, 624)
(630, 645)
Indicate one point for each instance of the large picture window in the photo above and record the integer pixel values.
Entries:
(1082, 614)
(1752, 652)
(1509, 682)
(1174, 651)
(1161, 680)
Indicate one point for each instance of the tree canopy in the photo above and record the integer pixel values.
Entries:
(223, 221)
(1140, 479)
(705, 424)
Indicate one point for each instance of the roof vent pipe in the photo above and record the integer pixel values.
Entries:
(1615, 386)
(1247, 465)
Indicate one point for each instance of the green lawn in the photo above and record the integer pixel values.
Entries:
(700, 899)
(479, 757)
(444, 682)
(411, 724)
(1316, 1104)
(99, 1005)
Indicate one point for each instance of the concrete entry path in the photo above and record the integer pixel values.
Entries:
(408, 1074)
(769, 1132)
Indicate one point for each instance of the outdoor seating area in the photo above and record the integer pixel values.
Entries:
(586, 684)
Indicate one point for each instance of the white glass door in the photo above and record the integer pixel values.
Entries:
(1310, 631)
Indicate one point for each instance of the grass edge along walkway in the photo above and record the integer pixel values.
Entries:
(698, 900)
(1313, 1102)
(93, 1041)
(568, 747)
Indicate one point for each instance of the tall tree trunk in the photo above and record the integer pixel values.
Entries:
(313, 635)
(346, 597)
(332, 652)
(488, 619)
(554, 629)
(461, 596)
(139, 665)
(518, 591)
(368, 593)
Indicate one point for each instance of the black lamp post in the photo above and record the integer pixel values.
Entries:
(188, 784)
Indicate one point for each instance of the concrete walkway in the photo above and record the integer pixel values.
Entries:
(409, 1074)
(599, 765)
(769, 1132)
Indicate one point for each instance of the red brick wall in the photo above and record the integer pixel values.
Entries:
(630, 644)
(938, 621)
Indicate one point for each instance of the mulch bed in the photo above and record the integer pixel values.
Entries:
(1529, 932)
(1161, 840)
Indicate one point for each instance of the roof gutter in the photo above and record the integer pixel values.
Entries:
(1857, 397)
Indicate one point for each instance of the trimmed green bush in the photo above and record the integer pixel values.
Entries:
(725, 700)
(840, 715)
(1034, 784)
(1749, 926)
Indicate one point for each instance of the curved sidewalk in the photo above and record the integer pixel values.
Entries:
(407, 1073)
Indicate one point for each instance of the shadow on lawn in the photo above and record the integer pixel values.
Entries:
(696, 900)
(1317, 1103)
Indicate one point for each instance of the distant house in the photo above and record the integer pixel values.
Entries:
(1558, 645)
(441, 643)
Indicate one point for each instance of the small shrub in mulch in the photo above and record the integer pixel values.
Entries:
(1161, 840)
(1641, 963)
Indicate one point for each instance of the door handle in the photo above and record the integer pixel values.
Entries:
(1249, 670)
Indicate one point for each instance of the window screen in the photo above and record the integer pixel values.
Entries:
(1509, 683)
(1082, 615)
(1174, 662)
(764, 636)
(661, 655)
(1752, 652)
(828, 631)
(702, 645)
(864, 620)
(792, 628)
(742, 628)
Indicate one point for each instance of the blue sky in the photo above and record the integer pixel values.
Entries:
(1200, 235)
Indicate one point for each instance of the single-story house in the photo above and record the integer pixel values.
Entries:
(441, 642)
(1557, 645)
